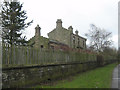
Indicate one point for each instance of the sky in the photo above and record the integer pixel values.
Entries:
(76, 13)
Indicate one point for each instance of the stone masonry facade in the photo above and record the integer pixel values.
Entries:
(59, 37)
(66, 36)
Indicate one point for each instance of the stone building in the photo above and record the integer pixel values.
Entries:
(66, 36)
(39, 41)
(59, 38)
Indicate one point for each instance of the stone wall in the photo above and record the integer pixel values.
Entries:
(24, 77)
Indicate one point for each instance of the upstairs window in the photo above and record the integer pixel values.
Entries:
(73, 43)
(83, 43)
(73, 37)
(78, 42)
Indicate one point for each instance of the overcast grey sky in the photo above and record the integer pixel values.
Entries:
(78, 13)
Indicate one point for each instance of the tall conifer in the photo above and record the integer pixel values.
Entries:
(13, 23)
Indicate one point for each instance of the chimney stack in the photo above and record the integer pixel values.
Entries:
(59, 23)
(76, 32)
(70, 28)
(37, 30)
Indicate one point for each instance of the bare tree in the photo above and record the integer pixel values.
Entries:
(99, 38)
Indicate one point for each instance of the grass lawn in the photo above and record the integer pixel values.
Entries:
(97, 78)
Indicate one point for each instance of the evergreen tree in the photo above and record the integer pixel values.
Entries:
(13, 23)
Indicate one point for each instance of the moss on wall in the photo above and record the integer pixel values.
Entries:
(32, 76)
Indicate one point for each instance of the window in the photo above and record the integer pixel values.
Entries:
(78, 42)
(83, 43)
(73, 43)
(41, 46)
(73, 37)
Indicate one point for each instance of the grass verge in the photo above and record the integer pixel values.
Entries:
(97, 78)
